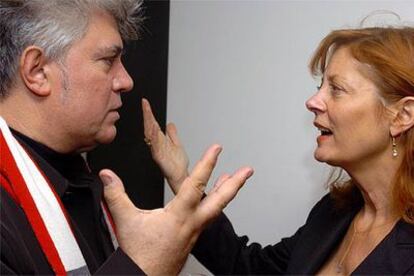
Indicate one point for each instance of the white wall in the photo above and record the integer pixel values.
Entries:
(238, 76)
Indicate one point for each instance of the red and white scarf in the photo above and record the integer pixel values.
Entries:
(31, 189)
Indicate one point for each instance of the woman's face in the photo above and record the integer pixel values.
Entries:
(354, 129)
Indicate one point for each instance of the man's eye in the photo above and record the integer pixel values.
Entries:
(109, 61)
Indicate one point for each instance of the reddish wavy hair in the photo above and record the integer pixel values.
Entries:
(389, 54)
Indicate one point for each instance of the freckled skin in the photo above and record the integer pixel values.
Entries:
(349, 105)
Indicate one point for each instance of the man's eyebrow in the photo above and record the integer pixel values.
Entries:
(110, 51)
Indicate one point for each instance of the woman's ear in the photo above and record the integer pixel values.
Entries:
(33, 64)
(404, 116)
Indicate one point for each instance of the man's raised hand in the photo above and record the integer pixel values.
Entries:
(160, 240)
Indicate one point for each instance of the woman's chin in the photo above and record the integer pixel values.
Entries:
(319, 155)
(324, 158)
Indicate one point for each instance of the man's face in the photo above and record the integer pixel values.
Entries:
(90, 82)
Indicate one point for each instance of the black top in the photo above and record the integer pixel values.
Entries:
(81, 193)
(223, 252)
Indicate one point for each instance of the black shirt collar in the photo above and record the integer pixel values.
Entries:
(71, 166)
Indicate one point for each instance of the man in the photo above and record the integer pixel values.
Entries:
(61, 79)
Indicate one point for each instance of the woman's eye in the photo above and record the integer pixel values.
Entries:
(319, 86)
(336, 89)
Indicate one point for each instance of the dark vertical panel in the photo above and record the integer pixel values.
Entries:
(146, 61)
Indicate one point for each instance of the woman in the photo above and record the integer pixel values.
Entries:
(364, 110)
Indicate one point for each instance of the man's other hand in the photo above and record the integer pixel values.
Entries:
(160, 240)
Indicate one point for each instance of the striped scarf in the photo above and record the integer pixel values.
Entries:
(31, 190)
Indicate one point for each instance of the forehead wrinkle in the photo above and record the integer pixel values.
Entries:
(342, 76)
(334, 77)
(339, 59)
(338, 79)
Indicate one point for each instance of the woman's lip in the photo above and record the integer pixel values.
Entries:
(322, 138)
(320, 126)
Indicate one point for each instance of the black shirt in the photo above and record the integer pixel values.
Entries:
(81, 197)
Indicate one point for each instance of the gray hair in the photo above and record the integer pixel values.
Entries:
(54, 25)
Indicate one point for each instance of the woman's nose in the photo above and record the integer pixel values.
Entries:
(316, 103)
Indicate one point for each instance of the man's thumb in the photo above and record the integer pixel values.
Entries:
(117, 200)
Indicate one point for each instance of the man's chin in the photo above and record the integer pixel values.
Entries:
(106, 136)
(103, 137)
(100, 138)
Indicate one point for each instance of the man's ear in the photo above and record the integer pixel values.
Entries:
(404, 117)
(33, 72)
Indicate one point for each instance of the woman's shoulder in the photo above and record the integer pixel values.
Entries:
(325, 204)
(330, 206)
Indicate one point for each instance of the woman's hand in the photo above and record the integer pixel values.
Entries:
(166, 149)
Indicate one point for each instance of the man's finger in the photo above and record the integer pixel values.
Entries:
(201, 172)
(218, 198)
(191, 191)
(220, 181)
(117, 200)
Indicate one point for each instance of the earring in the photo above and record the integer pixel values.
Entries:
(394, 147)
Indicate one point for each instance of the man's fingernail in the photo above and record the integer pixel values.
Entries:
(249, 172)
(106, 179)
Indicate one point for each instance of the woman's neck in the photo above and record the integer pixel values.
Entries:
(375, 180)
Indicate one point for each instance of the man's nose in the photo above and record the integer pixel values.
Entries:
(122, 81)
